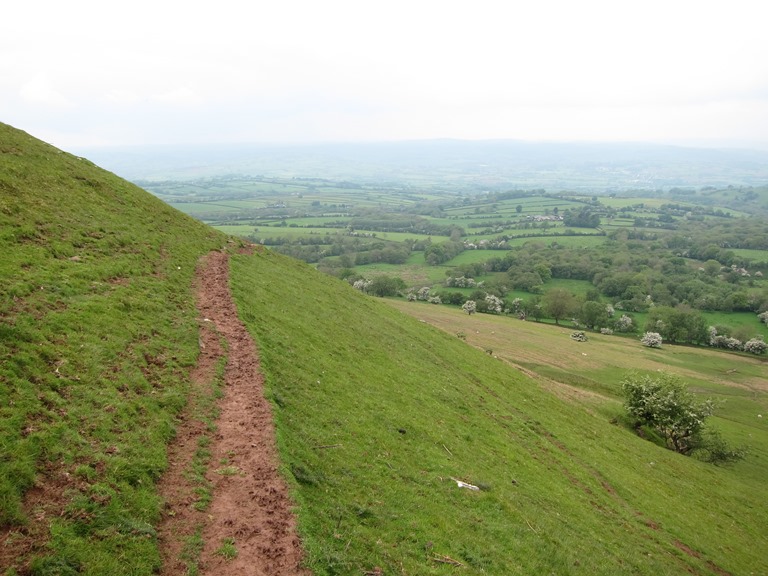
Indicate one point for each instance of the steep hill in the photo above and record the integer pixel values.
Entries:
(379, 415)
(98, 332)
(384, 424)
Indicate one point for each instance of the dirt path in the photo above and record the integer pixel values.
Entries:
(250, 506)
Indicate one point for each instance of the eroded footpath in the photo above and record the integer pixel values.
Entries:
(248, 527)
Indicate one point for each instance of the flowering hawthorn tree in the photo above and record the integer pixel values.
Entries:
(662, 402)
(460, 282)
(755, 346)
(651, 339)
(361, 284)
(470, 307)
(624, 323)
(495, 304)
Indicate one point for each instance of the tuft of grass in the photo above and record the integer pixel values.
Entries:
(227, 550)
(190, 554)
(206, 411)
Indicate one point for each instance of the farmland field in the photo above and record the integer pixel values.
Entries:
(425, 232)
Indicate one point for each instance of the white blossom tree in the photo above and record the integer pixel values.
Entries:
(470, 307)
(662, 402)
(651, 339)
(495, 304)
(755, 346)
(624, 323)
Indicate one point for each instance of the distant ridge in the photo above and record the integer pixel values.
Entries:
(583, 166)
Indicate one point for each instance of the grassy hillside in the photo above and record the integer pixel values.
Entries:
(590, 373)
(97, 333)
(378, 414)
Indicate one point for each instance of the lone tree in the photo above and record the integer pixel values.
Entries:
(559, 303)
(470, 307)
(651, 339)
(661, 403)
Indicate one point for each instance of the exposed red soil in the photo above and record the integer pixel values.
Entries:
(43, 502)
(250, 503)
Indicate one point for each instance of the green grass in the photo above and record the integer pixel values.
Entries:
(228, 549)
(598, 366)
(577, 287)
(407, 407)
(98, 334)
(376, 413)
(753, 255)
(414, 272)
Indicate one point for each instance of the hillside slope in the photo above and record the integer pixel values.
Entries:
(98, 331)
(379, 415)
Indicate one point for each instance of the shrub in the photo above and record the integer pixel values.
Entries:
(722, 340)
(651, 339)
(579, 336)
(461, 282)
(755, 346)
(494, 304)
(716, 450)
(662, 402)
(385, 285)
(624, 324)
(470, 307)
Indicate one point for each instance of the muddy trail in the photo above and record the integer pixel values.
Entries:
(246, 525)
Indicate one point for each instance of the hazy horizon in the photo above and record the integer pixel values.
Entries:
(85, 74)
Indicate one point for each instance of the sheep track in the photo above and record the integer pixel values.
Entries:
(250, 507)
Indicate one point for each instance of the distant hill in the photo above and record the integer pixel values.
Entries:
(495, 164)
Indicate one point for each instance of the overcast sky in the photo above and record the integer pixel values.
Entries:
(80, 74)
